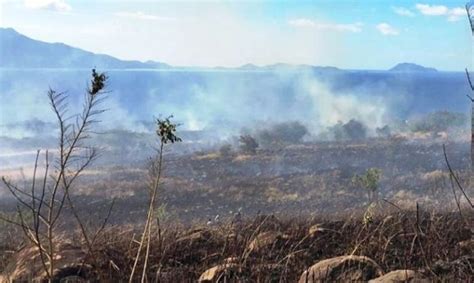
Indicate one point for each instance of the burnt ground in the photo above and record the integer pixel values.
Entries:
(302, 185)
(304, 179)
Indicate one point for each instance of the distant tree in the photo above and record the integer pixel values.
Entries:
(352, 130)
(225, 150)
(383, 132)
(338, 131)
(248, 144)
(288, 132)
(355, 130)
(438, 121)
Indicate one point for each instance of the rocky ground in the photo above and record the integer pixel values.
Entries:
(414, 246)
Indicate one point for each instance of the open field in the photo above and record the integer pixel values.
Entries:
(305, 179)
(269, 216)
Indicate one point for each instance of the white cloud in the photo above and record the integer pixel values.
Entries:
(456, 14)
(307, 23)
(142, 16)
(452, 15)
(403, 12)
(432, 10)
(302, 23)
(387, 29)
(55, 5)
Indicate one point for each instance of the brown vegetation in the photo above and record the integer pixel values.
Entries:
(267, 249)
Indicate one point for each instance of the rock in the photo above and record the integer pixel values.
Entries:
(196, 240)
(461, 265)
(26, 265)
(315, 229)
(342, 268)
(467, 246)
(402, 275)
(197, 235)
(193, 246)
(267, 223)
(231, 260)
(274, 272)
(218, 273)
(318, 230)
(463, 234)
(265, 240)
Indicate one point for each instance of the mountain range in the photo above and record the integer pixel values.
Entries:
(19, 51)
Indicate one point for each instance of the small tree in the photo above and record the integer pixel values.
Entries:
(40, 206)
(383, 132)
(248, 144)
(166, 133)
(355, 130)
(369, 181)
(225, 150)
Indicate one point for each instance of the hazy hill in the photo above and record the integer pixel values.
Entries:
(410, 67)
(19, 51)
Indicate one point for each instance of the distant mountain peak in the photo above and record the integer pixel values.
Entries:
(248, 66)
(11, 30)
(411, 67)
(20, 51)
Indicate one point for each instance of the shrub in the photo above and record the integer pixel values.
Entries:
(355, 130)
(438, 121)
(369, 181)
(248, 144)
(383, 132)
(352, 130)
(225, 150)
(288, 132)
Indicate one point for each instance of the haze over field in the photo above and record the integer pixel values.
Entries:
(305, 80)
(270, 67)
(236, 141)
(214, 103)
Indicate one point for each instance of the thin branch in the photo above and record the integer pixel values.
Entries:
(455, 177)
(469, 80)
(470, 16)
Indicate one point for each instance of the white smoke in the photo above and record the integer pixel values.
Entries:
(329, 108)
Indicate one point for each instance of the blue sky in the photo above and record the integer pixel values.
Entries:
(352, 34)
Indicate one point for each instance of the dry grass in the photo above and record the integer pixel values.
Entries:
(428, 242)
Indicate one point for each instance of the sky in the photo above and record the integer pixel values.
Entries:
(349, 34)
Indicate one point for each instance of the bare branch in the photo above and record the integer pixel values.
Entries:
(455, 177)
(470, 16)
(469, 80)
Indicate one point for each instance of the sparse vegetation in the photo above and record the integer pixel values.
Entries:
(438, 122)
